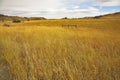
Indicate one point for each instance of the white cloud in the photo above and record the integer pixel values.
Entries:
(76, 7)
(63, 12)
(30, 4)
(53, 8)
(108, 2)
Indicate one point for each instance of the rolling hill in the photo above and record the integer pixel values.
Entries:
(8, 18)
(110, 16)
(115, 15)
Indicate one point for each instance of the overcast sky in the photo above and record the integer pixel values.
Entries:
(58, 8)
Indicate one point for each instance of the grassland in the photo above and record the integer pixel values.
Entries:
(46, 50)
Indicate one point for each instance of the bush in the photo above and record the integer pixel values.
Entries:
(16, 21)
(65, 18)
(6, 25)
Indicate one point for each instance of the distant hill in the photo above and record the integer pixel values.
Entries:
(5, 17)
(106, 16)
(113, 15)
(37, 18)
(110, 16)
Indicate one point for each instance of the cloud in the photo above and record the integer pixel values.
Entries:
(54, 8)
(30, 4)
(108, 2)
(63, 12)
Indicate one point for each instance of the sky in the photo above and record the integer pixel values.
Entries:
(58, 8)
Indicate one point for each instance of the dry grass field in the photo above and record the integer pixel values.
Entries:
(84, 49)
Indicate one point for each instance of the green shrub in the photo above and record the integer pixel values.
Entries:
(16, 20)
(65, 18)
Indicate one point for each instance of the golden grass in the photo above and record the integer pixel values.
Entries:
(43, 50)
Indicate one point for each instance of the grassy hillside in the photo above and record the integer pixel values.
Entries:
(106, 16)
(4, 18)
(113, 15)
(85, 49)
